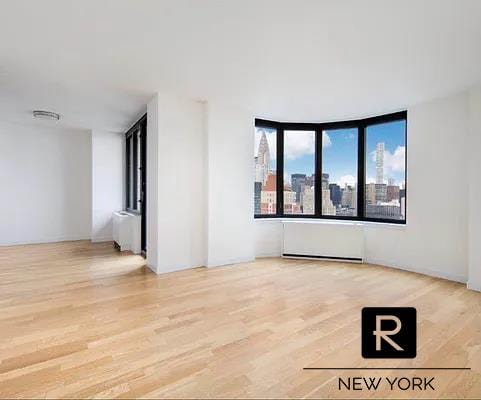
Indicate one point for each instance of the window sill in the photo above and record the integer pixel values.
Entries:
(367, 224)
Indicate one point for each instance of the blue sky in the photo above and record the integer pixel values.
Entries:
(340, 152)
(392, 134)
(339, 159)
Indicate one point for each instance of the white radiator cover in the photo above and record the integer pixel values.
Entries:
(330, 240)
(127, 231)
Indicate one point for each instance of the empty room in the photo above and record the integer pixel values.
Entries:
(240, 199)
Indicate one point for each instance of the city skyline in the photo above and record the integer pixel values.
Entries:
(340, 153)
(384, 196)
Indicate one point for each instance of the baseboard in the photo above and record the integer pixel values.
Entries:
(175, 269)
(219, 263)
(327, 258)
(424, 271)
(473, 286)
(269, 254)
(102, 239)
(47, 240)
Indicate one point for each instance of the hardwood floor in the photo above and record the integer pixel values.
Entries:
(82, 320)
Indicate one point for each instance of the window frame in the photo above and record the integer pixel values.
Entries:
(361, 125)
(133, 144)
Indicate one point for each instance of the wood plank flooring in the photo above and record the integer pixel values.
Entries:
(82, 320)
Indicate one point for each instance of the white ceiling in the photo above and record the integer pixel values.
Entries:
(98, 62)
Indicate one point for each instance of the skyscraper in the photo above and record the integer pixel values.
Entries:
(257, 197)
(392, 193)
(336, 194)
(327, 207)
(380, 163)
(263, 162)
(325, 181)
(298, 183)
(370, 193)
(308, 200)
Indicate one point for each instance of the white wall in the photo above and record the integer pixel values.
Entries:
(45, 174)
(107, 181)
(230, 184)
(435, 239)
(268, 237)
(199, 177)
(152, 177)
(474, 145)
(180, 180)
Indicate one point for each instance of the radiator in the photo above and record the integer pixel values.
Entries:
(127, 231)
(326, 240)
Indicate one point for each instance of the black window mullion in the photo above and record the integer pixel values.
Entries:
(134, 167)
(361, 164)
(318, 174)
(362, 125)
(128, 144)
(280, 171)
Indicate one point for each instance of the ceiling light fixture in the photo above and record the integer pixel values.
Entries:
(46, 115)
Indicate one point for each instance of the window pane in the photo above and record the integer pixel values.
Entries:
(339, 172)
(131, 175)
(265, 182)
(299, 168)
(385, 192)
(138, 171)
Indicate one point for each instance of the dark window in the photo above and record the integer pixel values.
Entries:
(352, 170)
(134, 143)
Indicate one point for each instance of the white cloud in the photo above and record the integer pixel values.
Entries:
(370, 179)
(301, 143)
(298, 144)
(394, 162)
(347, 179)
(326, 140)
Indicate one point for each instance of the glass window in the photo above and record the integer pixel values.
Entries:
(138, 170)
(385, 187)
(339, 172)
(130, 174)
(347, 169)
(133, 174)
(265, 182)
(299, 172)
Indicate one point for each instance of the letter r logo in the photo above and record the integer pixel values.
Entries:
(380, 334)
(389, 332)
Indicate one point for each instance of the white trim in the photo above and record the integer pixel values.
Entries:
(367, 224)
(323, 259)
(473, 286)
(174, 269)
(47, 240)
(101, 239)
(423, 271)
(222, 263)
(269, 254)
(152, 268)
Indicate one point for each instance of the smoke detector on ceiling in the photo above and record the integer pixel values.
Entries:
(46, 115)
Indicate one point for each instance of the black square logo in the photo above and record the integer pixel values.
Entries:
(389, 332)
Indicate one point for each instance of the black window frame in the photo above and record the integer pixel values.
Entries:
(361, 125)
(139, 129)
